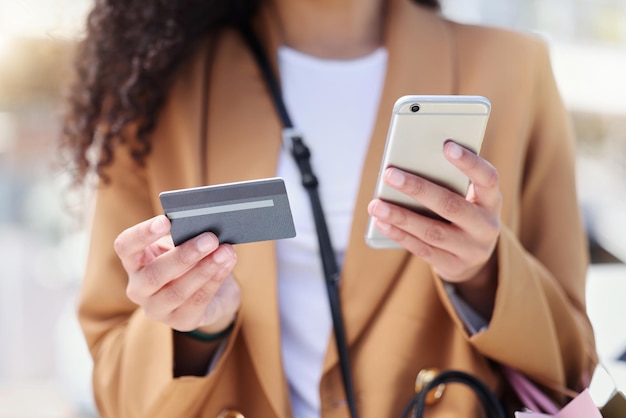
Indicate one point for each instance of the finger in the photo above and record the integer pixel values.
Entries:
(131, 243)
(454, 265)
(169, 266)
(195, 289)
(432, 232)
(481, 223)
(481, 173)
(219, 313)
(445, 203)
(430, 254)
(470, 246)
(228, 298)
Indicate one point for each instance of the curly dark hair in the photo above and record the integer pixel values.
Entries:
(124, 67)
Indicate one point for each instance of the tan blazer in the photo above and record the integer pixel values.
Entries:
(397, 314)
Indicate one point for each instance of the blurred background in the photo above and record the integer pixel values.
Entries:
(44, 365)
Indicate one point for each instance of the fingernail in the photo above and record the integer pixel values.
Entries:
(395, 177)
(158, 226)
(205, 244)
(383, 226)
(221, 255)
(454, 150)
(382, 210)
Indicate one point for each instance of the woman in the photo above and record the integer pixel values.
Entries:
(170, 97)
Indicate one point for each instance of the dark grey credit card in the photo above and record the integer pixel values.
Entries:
(241, 212)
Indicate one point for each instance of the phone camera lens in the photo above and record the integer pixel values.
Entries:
(415, 108)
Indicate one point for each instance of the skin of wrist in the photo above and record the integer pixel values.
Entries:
(480, 291)
(218, 326)
(484, 279)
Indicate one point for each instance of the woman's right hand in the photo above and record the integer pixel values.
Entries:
(186, 287)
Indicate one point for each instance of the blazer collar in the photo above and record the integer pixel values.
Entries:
(245, 137)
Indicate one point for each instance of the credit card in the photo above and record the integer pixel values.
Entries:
(238, 213)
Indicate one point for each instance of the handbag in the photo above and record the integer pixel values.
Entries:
(539, 405)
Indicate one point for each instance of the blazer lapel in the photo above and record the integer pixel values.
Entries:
(420, 61)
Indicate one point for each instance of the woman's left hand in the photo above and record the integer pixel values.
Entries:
(461, 251)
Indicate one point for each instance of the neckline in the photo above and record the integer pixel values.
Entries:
(377, 56)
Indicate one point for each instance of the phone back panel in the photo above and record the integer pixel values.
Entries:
(415, 142)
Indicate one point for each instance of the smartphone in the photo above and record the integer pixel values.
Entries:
(419, 127)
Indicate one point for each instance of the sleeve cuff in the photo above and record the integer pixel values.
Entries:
(474, 322)
(217, 356)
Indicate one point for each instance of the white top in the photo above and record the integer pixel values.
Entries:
(334, 104)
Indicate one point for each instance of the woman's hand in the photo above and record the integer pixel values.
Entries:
(186, 287)
(462, 251)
